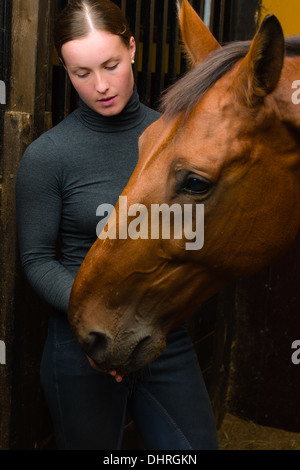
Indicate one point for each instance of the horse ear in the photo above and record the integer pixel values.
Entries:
(259, 72)
(196, 37)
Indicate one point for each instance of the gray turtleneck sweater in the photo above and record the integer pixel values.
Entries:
(64, 175)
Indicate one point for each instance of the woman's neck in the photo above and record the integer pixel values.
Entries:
(127, 119)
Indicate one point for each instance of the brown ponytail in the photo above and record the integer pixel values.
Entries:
(80, 17)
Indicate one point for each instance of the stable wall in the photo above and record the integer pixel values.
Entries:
(286, 11)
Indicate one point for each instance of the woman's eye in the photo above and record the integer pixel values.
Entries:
(197, 186)
(84, 75)
(112, 67)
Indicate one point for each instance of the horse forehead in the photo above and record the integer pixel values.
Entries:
(156, 138)
(217, 108)
(203, 138)
(214, 109)
(214, 124)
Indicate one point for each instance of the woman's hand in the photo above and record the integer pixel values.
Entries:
(118, 377)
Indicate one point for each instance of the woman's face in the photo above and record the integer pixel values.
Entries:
(99, 66)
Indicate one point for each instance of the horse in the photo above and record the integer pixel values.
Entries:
(226, 152)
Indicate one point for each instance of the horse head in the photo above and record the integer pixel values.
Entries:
(222, 166)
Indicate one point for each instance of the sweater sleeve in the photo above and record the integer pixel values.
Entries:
(39, 205)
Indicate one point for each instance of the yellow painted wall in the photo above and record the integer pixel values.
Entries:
(287, 11)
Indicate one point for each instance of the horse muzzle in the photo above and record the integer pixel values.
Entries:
(125, 355)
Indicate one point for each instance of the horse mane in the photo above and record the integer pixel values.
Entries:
(187, 91)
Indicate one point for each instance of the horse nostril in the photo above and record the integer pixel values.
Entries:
(96, 346)
(141, 345)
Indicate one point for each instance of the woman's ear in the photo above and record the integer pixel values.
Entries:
(132, 47)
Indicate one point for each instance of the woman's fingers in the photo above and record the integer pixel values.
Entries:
(118, 377)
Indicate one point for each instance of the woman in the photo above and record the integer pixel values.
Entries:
(84, 161)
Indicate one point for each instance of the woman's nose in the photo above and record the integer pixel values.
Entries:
(101, 83)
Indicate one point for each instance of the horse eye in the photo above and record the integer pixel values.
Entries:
(196, 186)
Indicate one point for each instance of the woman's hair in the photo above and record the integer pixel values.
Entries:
(80, 17)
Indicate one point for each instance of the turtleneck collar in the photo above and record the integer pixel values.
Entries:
(130, 117)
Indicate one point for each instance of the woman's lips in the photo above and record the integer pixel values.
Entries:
(107, 101)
